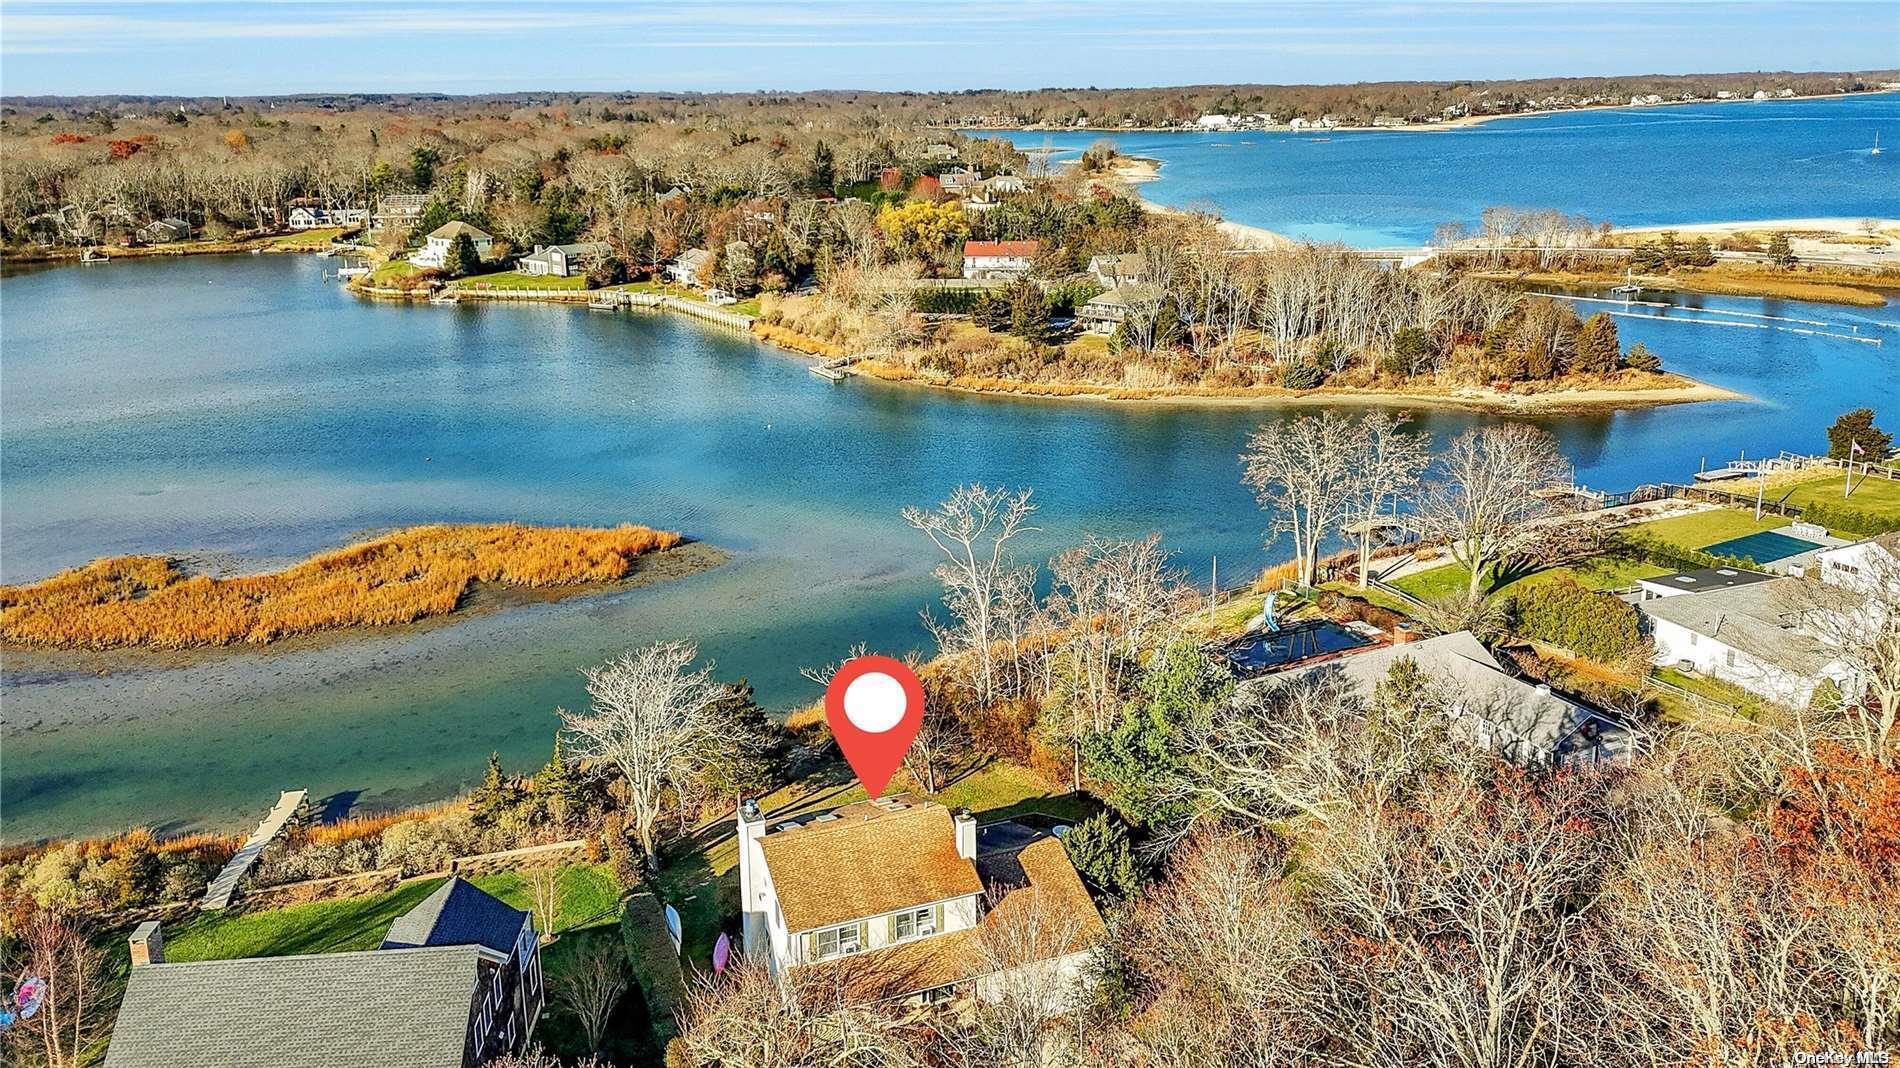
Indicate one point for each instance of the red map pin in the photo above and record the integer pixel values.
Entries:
(874, 705)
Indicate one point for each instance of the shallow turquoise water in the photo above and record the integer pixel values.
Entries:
(1773, 159)
(239, 405)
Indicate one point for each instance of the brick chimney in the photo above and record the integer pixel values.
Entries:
(966, 834)
(1403, 633)
(148, 944)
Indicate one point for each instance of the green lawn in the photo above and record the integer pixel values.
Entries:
(392, 270)
(517, 280)
(306, 238)
(1700, 529)
(1598, 573)
(1880, 496)
(588, 899)
(1739, 701)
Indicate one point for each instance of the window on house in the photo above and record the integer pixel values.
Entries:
(914, 924)
(836, 941)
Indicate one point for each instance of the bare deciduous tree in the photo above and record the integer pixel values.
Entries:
(973, 528)
(592, 984)
(657, 722)
(1485, 498)
(1306, 474)
(1389, 460)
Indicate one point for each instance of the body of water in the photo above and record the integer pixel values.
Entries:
(243, 409)
(1769, 159)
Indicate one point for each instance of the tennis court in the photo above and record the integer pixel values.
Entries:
(1764, 547)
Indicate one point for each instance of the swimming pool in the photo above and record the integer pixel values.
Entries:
(1763, 547)
(1261, 653)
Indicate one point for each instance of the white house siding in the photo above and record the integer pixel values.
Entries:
(1676, 643)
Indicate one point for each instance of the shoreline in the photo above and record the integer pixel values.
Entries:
(1463, 122)
(1470, 398)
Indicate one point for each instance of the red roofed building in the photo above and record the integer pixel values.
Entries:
(998, 259)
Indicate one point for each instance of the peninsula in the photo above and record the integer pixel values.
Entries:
(150, 602)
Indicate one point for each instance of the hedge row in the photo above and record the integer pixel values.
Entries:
(1852, 520)
(1563, 613)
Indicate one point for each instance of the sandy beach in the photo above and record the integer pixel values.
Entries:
(1475, 398)
(1134, 171)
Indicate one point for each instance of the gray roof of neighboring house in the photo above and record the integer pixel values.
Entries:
(1526, 721)
(692, 257)
(582, 248)
(452, 230)
(405, 1008)
(458, 914)
(1123, 296)
(1760, 619)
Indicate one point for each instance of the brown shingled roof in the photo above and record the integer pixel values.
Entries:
(1036, 887)
(1026, 249)
(873, 859)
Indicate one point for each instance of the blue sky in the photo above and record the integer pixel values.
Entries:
(467, 46)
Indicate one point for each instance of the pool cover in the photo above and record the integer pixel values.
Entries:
(1763, 548)
(1258, 654)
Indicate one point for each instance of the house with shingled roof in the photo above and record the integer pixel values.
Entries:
(456, 983)
(435, 248)
(904, 899)
(999, 259)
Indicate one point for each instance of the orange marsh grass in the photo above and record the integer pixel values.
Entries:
(398, 578)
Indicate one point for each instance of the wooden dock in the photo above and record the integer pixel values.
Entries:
(218, 894)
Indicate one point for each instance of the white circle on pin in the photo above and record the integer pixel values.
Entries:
(874, 702)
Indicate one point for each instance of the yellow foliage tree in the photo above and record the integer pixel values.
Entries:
(923, 227)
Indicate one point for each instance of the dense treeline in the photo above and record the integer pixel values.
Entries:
(1361, 103)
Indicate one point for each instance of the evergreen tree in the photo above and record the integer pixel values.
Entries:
(494, 797)
(1669, 249)
(422, 165)
(1780, 251)
(1701, 253)
(557, 786)
(1598, 350)
(823, 173)
(1179, 687)
(1858, 426)
(1640, 358)
(463, 260)
(1028, 311)
(1099, 849)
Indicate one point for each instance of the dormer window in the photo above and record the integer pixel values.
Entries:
(917, 923)
(839, 941)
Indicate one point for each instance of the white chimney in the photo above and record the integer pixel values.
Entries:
(752, 903)
(148, 944)
(966, 834)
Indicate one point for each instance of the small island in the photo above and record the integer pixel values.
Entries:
(151, 602)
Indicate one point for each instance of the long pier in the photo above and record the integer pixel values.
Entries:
(225, 884)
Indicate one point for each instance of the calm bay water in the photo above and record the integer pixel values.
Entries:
(1771, 159)
(241, 407)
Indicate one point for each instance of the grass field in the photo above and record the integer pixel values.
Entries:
(1880, 496)
(305, 238)
(1601, 573)
(517, 280)
(1700, 529)
(588, 900)
(393, 270)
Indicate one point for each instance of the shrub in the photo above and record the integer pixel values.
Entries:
(1563, 613)
(1654, 550)
(1302, 376)
(1852, 520)
(419, 847)
(1100, 851)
